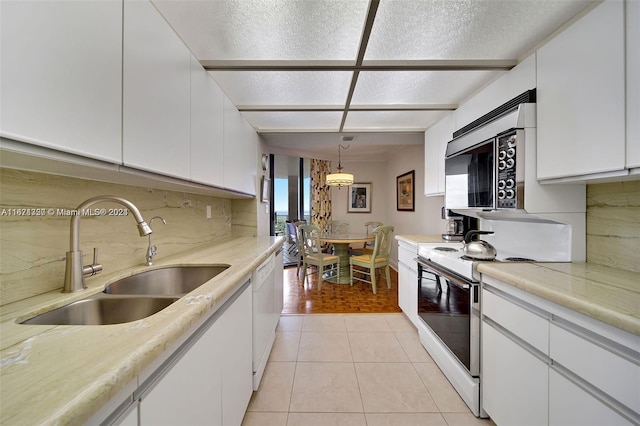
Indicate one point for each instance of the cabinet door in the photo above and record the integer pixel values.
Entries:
(514, 382)
(408, 292)
(190, 393)
(206, 127)
(240, 151)
(632, 9)
(61, 75)
(156, 95)
(279, 283)
(571, 405)
(235, 354)
(581, 96)
(435, 146)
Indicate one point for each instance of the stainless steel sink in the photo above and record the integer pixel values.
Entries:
(169, 281)
(103, 310)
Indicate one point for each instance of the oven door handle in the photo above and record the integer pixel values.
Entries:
(452, 278)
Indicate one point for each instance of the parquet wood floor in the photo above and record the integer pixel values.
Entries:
(338, 298)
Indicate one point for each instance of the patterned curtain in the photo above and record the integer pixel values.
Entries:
(320, 193)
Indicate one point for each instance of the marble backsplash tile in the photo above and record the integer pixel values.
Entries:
(32, 247)
(613, 225)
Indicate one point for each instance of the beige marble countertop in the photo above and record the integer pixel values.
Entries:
(608, 294)
(65, 374)
(417, 239)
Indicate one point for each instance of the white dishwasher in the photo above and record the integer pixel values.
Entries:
(267, 306)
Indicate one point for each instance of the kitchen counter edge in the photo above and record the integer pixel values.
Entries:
(607, 294)
(70, 372)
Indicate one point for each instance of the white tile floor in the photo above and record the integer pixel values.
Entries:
(353, 370)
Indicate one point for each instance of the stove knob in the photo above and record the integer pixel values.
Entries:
(502, 165)
(510, 183)
(501, 194)
(512, 141)
(502, 154)
(501, 184)
(510, 193)
(510, 162)
(511, 152)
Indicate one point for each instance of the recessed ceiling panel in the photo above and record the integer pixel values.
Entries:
(465, 29)
(299, 121)
(418, 87)
(285, 87)
(391, 120)
(267, 29)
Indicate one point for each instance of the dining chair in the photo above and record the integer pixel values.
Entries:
(369, 263)
(291, 236)
(312, 255)
(367, 247)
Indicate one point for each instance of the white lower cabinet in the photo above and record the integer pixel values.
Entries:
(570, 405)
(514, 361)
(234, 350)
(408, 280)
(544, 364)
(211, 381)
(514, 381)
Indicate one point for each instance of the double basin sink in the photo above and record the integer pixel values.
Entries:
(132, 298)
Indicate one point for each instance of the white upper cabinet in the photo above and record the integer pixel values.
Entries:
(240, 151)
(157, 93)
(581, 96)
(632, 9)
(513, 83)
(207, 101)
(435, 146)
(61, 77)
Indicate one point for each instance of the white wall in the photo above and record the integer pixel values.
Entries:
(382, 175)
(426, 219)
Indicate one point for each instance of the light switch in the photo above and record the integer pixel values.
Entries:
(208, 212)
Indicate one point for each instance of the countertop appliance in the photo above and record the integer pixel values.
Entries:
(449, 308)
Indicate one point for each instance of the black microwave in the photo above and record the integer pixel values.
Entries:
(484, 169)
(470, 177)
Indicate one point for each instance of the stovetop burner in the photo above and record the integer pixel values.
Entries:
(518, 259)
(471, 259)
(446, 249)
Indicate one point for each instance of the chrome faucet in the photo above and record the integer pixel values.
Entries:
(153, 250)
(75, 270)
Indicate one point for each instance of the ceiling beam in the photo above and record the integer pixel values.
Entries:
(364, 41)
(407, 65)
(336, 108)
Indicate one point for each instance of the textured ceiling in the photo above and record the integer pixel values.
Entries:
(359, 66)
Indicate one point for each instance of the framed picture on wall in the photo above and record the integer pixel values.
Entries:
(406, 192)
(264, 189)
(359, 198)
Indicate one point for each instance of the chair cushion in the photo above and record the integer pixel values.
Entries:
(322, 257)
(366, 258)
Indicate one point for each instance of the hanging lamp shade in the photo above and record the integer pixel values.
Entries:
(339, 178)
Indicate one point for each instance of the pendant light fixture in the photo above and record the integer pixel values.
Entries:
(338, 178)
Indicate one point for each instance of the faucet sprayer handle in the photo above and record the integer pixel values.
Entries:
(95, 268)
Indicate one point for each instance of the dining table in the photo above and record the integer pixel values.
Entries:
(341, 243)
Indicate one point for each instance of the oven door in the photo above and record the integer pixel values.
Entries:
(448, 305)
